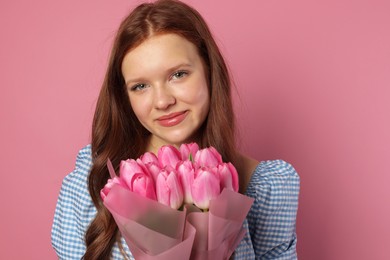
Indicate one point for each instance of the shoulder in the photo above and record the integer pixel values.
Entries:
(75, 183)
(274, 170)
(84, 159)
(277, 176)
(82, 167)
(74, 187)
(274, 185)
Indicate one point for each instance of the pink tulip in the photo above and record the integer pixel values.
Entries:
(149, 157)
(127, 169)
(110, 183)
(151, 167)
(206, 186)
(186, 171)
(228, 176)
(208, 157)
(169, 191)
(154, 169)
(168, 155)
(137, 178)
(188, 150)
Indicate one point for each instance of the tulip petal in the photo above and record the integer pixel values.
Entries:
(206, 187)
(176, 196)
(143, 185)
(162, 189)
(149, 157)
(188, 151)
(168, 189)
(137, 178)
(234, 173)
(186, 176)
(228, 176)
(153, 169)
(127, 169)
(110, 183)
(168, 155)
(208, 157)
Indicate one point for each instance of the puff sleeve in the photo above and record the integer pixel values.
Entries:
(74, 210)
(275, 187)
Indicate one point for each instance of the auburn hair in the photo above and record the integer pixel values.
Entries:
(116, 132)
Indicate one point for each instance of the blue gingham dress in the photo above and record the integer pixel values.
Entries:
(270, 223)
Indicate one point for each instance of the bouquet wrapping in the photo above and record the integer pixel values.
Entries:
(180, 204)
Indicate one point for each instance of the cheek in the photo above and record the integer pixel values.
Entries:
(205, 106)
(201, 103)
(139, 107)
(197, 93)
(203, 98)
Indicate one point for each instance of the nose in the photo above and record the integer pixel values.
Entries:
(163, 97)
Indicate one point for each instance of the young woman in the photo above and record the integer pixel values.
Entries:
(167, 83)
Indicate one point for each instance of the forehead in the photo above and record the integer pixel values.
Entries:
(161, 49)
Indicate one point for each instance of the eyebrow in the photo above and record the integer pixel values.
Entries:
(169, 71)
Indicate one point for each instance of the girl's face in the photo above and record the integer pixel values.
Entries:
(167, 88)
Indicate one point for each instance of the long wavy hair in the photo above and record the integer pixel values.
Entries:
(116, 132)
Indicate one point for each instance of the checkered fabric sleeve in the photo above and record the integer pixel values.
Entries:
(271, 220)
(75, 211)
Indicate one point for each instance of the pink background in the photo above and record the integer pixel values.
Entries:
(313, 80)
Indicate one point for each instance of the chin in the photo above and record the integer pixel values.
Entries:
(178, 136)
(178, 140)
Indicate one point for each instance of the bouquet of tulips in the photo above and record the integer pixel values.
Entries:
(181, 204)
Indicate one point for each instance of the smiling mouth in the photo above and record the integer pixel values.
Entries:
(172, 119)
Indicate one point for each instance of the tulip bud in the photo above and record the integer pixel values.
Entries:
(110, 183)
(228, 176)
(144, 185)
(208, 157)
(137, 178)
(186, 171)
(206, 186)
(168, 155)
(169, 191)
(154, 169)
(188, 151)
(149, 157)
(127, 169)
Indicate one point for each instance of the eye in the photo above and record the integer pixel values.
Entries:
(138, 87)
(179, 74)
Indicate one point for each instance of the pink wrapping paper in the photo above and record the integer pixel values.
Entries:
(155, 231)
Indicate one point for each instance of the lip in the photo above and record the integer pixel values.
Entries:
(172, 119)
